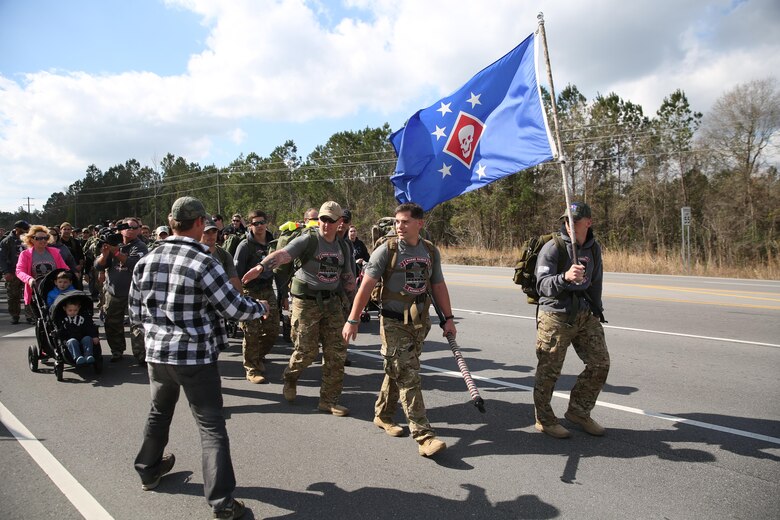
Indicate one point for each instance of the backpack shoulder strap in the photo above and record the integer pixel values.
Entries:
(345, 250)
(392, 249)
(430, 247)
(311, 247)
(563, 253)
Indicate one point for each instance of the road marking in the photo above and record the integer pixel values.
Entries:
(25, 333)
(507, 273)
(70, 487)
(565, 395)
(648, 331)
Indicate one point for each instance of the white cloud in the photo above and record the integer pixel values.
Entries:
(303, 62)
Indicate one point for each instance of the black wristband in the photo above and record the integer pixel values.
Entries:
(450, 317)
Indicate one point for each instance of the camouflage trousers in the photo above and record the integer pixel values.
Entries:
(260, 335)
(114, 326)
(14, 291)
(553, 336)
(314, 324)
(401, 350)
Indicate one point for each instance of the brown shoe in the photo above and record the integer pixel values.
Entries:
(335, 409)
(431, 446)
(289, 391)
(589, 425)
(254, 377)
(553, 430)
(390, 428)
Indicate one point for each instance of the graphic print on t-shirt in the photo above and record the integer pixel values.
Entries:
(41, 269)
(416, 274)
(329, 267)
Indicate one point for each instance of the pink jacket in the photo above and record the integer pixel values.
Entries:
(24, 269)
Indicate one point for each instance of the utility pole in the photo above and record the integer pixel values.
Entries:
(29, 212)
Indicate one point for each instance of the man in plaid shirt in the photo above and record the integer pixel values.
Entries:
(180, 294)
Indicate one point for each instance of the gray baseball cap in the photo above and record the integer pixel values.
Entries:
(188, 208)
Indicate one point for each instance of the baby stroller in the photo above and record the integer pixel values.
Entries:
(49, 345)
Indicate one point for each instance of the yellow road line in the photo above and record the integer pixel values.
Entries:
(652, 298)
(728, 293)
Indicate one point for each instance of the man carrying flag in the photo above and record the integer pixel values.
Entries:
(492, 127)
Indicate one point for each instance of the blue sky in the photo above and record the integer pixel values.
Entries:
(88, 81)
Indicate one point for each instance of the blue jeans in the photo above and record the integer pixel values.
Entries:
(203, 388)
(79, 347)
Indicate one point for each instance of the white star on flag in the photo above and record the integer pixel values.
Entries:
(444, 108)
(474, 100)
(445, 170)
(481, 170)
(439, 133)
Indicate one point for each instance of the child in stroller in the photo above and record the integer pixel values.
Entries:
(62, 283)
(77, 331)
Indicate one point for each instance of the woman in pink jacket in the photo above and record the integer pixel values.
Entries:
(37, 260)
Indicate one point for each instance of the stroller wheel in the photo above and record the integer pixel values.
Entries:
(59, 368)
(32, 357)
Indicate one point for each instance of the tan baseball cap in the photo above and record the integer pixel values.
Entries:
(331, 209)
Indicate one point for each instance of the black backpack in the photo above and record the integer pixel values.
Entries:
(525, 269)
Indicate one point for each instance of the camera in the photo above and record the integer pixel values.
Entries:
(110, 237)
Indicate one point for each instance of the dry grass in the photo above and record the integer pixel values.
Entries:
(623, 262)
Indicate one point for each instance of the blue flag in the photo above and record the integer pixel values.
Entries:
(491, 127)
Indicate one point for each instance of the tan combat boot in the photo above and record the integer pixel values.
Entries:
(335, 409)
(588, 424)
(431, 446)
(255, 377)
(553, 430)
(390, 428)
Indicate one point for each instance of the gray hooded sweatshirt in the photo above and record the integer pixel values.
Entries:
(556, 294)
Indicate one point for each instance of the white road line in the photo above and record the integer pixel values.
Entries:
(70, 487)
(24, 333)
(648, 331)
(565, 395)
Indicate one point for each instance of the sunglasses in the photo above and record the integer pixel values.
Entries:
(236, 220)
(134, 227)
(327, 220)
(259, 223)
(40, 238)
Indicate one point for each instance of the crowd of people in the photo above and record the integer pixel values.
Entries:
(179, 285)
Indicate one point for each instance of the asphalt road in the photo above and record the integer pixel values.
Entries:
(691, 407)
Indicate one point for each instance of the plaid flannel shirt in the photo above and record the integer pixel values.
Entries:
(179, 294)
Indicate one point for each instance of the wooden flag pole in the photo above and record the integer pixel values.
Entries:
(561, 160)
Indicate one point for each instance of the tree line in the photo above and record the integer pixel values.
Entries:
(635, 170)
